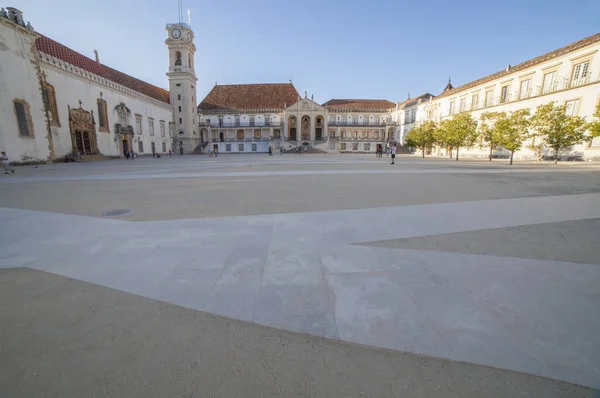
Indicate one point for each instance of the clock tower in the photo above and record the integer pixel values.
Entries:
(182, 86)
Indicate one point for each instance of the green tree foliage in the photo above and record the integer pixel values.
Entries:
(461, 130)
(594, 126)
(442, 137)
(487, 132)
(512, 130)
(558, 129)
(422, 136)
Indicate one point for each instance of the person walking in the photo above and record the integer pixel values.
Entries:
(393, 152)
(270, 150)
(170, 153)
(5, 163)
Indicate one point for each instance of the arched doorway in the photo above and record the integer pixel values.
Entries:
(305, 128)
(203, 135)
(292, 128)
(319, 126)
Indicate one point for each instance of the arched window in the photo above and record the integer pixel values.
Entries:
(178, 58)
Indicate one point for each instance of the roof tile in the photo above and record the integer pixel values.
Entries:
(46, 45)
(358, 104)
(248, 97)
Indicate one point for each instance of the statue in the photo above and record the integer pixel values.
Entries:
(305, 94)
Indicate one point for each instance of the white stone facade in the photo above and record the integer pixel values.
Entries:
(572, 79)
(19, 81)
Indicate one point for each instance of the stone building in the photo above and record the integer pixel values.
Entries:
(567, 76)
(56, 102)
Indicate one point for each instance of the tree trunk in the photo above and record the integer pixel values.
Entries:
(457, 153)
(491, 152)
(511, 156)
(423, 149)
(555, 156)
(450, 151)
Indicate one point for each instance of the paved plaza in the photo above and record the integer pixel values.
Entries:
(453, 264)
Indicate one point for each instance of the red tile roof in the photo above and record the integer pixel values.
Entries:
(523, 65)
(64, 53)
(358, 105)
(247, 97)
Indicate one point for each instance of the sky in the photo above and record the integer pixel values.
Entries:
(376, 49)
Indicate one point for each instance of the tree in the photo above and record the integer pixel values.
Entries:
(461, 130)
(594, 126)
(512, 130)
(558, 129)
(442, 137)
(421, 136)
(487, 132)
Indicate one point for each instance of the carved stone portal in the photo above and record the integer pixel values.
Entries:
(83, 131)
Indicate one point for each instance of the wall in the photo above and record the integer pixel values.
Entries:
(70, 89)
(19, 79)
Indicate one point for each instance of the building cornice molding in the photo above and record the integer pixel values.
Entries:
(62, 66)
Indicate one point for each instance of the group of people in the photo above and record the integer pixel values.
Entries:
(390, 149)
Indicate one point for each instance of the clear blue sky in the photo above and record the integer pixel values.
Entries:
(376, 49)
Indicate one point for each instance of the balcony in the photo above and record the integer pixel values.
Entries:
(243, 123)
(364, 123)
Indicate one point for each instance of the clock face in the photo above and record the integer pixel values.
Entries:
(189, 36)
(176, 33)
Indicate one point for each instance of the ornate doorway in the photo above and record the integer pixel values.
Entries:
(319, 128)
(125, 146)
(292, 128)
(83, 131)
(305, 128)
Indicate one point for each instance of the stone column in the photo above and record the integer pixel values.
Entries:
(311, 130)
(298, 127)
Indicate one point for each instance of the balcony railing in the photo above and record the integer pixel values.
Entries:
(364, 123)
(243, 123)
(262, 139)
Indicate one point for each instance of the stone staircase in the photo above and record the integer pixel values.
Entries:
(200, 148)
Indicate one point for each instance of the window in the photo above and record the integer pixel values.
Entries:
(179, 108)
(524, 90)
(376, 135)
(151, 126)
(365, 134)
(277, 133)
(331, 119)
(189, 60)
(549, 82)
(505, 94)
(355, 120)
(251, 120)
(413, 116)
(475, 101)
(180, 120)
(489, 98)
(49, 97)
(572, 107)
(367, 147)
(162, 128)
(23, 118)
(171, 129)
(343, 146)
(253, 147)
(138, 123)
(580, 74)
(102, 115)
(451, 111)
(463, 104)
(178, 58)
(355, 134)
(257, 134)
(355, 146)
(227, 147)
(237, 120)
(141, 146)
(178, 97)
(153, 146)
(164, 147)
(240, 147)
(240, 134)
